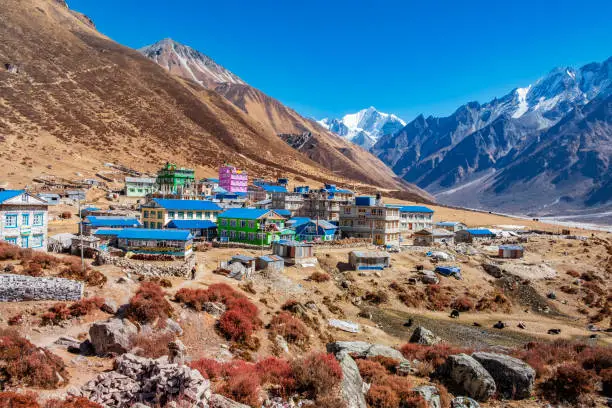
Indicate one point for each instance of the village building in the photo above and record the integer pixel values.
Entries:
(264, 191)
(294, 253)
(291, 201)
(369, 218)
(177, 243)
(23, 219)
(140, 186)
(50, 198)
(273, 263)
(415, 218)
(176, 181)
(107, 237)
(90, 244)
(200, 229)
(227, 200)
(510, 251)
(263, 204)
(427, 237)
(369, 260)
(313, 230)
(158, 212)
(471, 235)
(232, 179)
(325, 203)
(452, 226)
(93, 222)
(75, 195)
(252, 226)
(209, 186)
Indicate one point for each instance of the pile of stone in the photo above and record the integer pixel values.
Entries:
(18, 288)
(150, 381)
(178, 268)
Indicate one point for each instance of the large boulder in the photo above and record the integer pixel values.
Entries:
(513, 377)
(430, 394)
(421, 335)
(364, 350)
(112, 336)
(493, 270)
(352, 384)
(463, 373)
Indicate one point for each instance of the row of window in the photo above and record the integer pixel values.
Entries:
(36, 241)
(243, 235)
(152, 225)
(180, 215)
(11, 220)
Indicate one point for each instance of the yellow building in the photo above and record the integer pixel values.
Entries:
(158, 212)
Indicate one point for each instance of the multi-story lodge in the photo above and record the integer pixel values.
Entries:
(325, 203)
(415, 218)
(158, 212)
(253, 226)
(232, 179)
(23, 219)
(174, 180)
(291, 201)
(140, 186)
(368, 217)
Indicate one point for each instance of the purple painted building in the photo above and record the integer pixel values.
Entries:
(232, 179)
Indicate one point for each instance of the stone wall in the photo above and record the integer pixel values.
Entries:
(17, 288)
(150, 268)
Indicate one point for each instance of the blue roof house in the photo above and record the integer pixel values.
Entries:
(146, 241)
(202, 229)
(471, 235)
(92, 222)
(158, 212)
(312, 230)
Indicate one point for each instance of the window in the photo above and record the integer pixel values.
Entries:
(199, 215)
(251, 224)
(251, 236)
(233, 234)
(25, 219)
(190, 215)
(170, 214)
(11, 240)
(224, 233)
(146, 214)
(232, 223)
(37, 241)
(224, 222)
(146, 224)
(39, 219)
(242, 235)
(243, 223)
(181, 215)
(160, 215)
(159, 225)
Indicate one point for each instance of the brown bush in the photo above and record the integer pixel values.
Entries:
(569, 383)
(149, 305)
(319, 277)
(66, 215)
(462, 304)
(317, 374)
(22, 363)
(18, 400)
(541, 355)
(570, 290)
(290, 328)
(382, 396)
(436, 354)
(72, 402)
(153, 345)
(371, 371)
(389, 363)
(606, 382)
(573, 273)
(378, 297)
(60, 311)
(243, 388)
(494, 301)
(15, 320)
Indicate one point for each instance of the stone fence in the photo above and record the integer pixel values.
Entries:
(180, 269)
(17, 288)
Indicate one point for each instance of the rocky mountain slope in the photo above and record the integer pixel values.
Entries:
(510, 153)
(320, 145)
(365, 127)
(73, 99)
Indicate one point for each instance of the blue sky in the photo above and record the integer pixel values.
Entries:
(331, 57)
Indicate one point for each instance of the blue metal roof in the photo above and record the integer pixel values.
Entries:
(195, 205)
(447, 223)
(274, 189)
(297, 221)
(107, 221)
(8, 194)
(102, 231)
(191, 224)
(293, 243)
(155, 234)
(415, 209)
(284, 213)
(245, 213)
(511, 247)
(243, 258)
(219, 190)
(212, 180)
(481, 231)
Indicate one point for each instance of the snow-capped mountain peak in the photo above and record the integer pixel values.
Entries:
(364, 127)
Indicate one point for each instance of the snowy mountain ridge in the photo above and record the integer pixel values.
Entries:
(365, 127)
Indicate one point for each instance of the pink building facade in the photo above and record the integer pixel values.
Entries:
(232, 179)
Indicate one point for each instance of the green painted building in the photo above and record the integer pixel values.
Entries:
(172, 179)
(252, 226)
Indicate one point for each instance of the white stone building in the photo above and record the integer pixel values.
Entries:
(23, 219)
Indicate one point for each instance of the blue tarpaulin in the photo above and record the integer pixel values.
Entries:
(449, 271)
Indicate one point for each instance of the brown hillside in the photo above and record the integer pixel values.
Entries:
(74, 99)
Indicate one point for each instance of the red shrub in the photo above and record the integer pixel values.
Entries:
(33, 269)
(494, 301)
(193, 298)
(84, 306)
(382, 396)
(569, 383)
(401, 386)
(371, 371)
(15, 320)
(153, 345)
(56, 314)
(222, 292)
(462, 304)
(278, 373)
(17, 400)
(72, 402)
(389, 363)
(290, 305)
(596, 358)
(245, 307)
(540, 355)
(243, 388)
(290, 328)
(319, 277)
(8, 251)
(26, 364)
(209, 368)
(573, 273)
(236, 326)
(149, 305)
(317, 374)
(436, 355)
